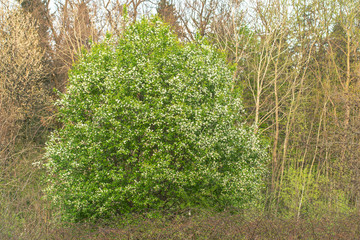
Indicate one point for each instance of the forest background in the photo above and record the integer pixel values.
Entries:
(296, 65)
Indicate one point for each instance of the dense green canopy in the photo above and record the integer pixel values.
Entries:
(150, 123)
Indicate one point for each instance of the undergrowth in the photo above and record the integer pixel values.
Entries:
(24, 214)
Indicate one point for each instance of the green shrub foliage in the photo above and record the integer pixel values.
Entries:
(150, 123)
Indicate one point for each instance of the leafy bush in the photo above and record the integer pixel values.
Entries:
(304, 193)
(150, 123)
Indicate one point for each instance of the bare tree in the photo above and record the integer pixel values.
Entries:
(169, 14)
(22, 94)
(197, 16)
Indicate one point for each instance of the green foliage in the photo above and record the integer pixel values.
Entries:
(304, 193)
(149, 123)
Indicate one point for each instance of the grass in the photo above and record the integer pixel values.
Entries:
(211, 226)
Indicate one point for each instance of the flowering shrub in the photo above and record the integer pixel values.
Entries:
(150, 123)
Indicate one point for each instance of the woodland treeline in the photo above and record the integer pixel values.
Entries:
(296, 64)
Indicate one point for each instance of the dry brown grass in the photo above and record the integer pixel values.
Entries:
(218, 226)
(203, 225)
